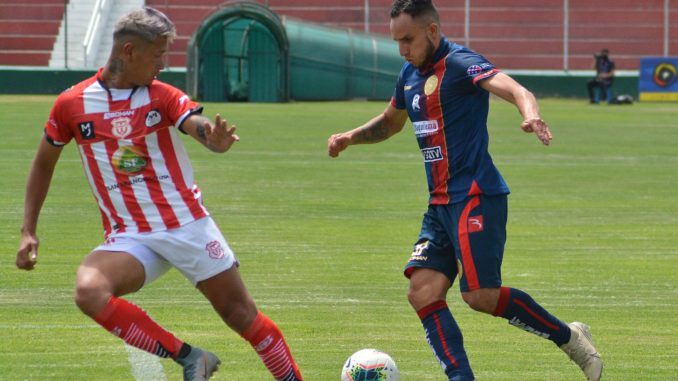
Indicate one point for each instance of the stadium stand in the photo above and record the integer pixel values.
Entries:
(28, 29)
(515, 34)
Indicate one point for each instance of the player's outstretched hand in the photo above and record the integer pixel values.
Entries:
(27, 255)
(540, 129)
(337, 143)
(220, 137)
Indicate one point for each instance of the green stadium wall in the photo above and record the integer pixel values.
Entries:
(542, 84)
(45, 81)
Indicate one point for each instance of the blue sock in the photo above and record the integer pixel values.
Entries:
(523, 312)
(446, 341)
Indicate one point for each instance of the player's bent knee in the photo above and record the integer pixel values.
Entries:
(91, 298)
(480, 301)
(421, 297)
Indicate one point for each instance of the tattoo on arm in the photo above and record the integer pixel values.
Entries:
(373, 132)
(200, 129)
(201, 132)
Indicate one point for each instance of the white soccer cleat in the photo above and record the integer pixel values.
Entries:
(581, 351)
(199, 365)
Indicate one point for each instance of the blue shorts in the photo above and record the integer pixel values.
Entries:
(465, 239)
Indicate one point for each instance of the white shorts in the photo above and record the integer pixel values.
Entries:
(198, 250)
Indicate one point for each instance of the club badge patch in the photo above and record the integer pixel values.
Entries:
(153, 118)
(121, 127)
(214, 249)
(474, 70)
(431, 85)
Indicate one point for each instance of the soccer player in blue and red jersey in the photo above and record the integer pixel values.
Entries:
(444, 88)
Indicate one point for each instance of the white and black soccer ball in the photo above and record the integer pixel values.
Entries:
(370, 365)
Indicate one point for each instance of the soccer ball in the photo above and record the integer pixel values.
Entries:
(370, 365)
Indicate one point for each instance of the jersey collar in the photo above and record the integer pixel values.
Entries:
(100, 79)
(440, 53)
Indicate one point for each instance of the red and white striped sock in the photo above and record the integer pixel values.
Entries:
(136, 328)
(269, 343)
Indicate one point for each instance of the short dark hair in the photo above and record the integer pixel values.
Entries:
(415, 8)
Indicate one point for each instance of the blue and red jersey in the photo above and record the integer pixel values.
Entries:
(448, 110)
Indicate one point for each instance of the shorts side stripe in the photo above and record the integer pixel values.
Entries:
(465, 246)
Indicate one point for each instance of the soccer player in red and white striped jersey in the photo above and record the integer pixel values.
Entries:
(125, 124)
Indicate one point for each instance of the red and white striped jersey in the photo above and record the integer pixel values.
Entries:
(134, 160)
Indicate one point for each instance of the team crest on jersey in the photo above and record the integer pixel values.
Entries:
(128, 160)
(214, 249)
(153, 118)
(121, 127)
(431, 85)
(87, 130)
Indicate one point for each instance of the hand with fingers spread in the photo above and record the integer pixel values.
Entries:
(539, 127)
(220, 137)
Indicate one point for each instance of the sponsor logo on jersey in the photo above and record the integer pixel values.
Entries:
(431, 85)
(432, 154)
(425, 127)
(183, 99)
(407, 87)
(475, 224)
(128, 160)
(133, 181)
(117, 114)
(87, 130)
(121, 127)
(214, 249)
(415, 103)
(474, 70)
(153, 118)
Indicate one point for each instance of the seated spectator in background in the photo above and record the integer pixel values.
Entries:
(604, 78)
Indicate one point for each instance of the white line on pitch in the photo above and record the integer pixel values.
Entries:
(145, 366)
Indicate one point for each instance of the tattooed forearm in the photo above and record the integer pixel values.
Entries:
(201, 132)
(373, 132)
(200, 129)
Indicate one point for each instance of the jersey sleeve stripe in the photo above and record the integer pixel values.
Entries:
(53, 142)
(486, 75)
(182, 118)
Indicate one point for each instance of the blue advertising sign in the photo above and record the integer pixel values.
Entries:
(658, 79)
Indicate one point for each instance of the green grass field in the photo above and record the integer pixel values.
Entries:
(593, 236)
